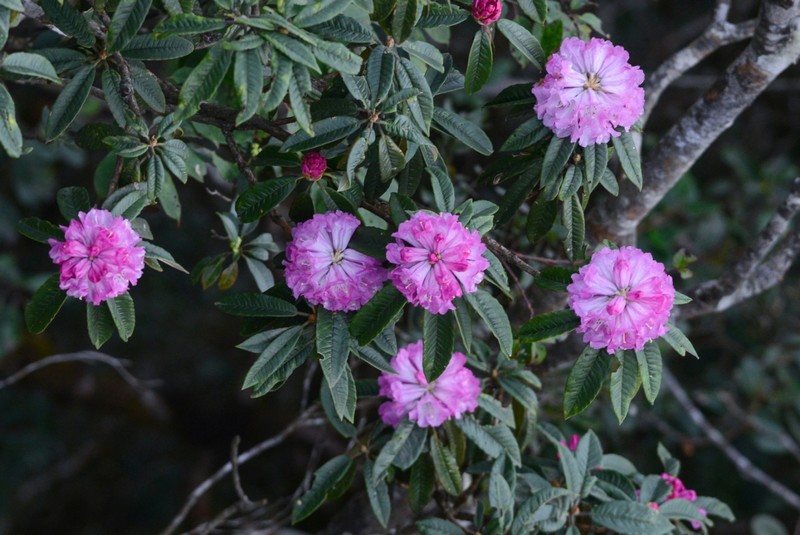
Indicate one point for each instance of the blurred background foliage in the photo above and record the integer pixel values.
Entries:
(83, 452)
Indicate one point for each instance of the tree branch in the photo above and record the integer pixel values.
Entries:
(503, 252)
(745, 467)
(774, 47)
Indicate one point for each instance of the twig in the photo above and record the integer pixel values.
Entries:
(310, 371)
(744, 465)
(225, 514)
(304, 420)
(114, 182)
(237, 483)
(501, 251)
(244, 167)
(126, 84)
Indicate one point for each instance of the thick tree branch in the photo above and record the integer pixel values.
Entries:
(774, 47)
(744, 465)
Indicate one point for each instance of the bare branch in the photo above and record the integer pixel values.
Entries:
(774, 47)
(237, 483)
(304, 420)
(745, 467)
(244, 167)
(503, 252)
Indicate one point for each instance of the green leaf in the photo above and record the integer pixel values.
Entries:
(465, 131)
(248, 79)
(333, 344)
(629, 157)
(126, 146)
(391, 449)
(10, 134)
(188, 24)
(630, 518)
(123, 314)
(715, 507)
(380, 73)
(549, 325)
(495, 317)
(444, 197)
(338, 57)
(378, 495)
(523, 41)
(526, 135)
(464, 322)
(293, 49)
(496, 409)
(376, 314)
(69, 102)
(26, 64)
(573, 220)
(99, 323)
(513, 95)
(554, 278)
(69, 20)
(480, 436)
(681, 509)
(558, 152)
(282, 69)
(426, 53)
(44, 305)
(13, 5)
(650, 370)
(442, 15)
(147, 47)
(344, 395)
(595, 159)
(479, 63)
(412, 448)
(624, 385)
(125, 22)
(609, 182)
(146, 86)
(421, 484)
(515, 196)
(421, 107)
(343, 28)
(357, 154)
(505, 437)
(71, 201)
(258, 200)
(273, 356)
(405, 17)
(319, 11)
(573, 179)
(155, 177)
(521, 391)
(438, 526)
(168, 199)
(679, 342)
(326, 479)
(589, 454)
(111, 82)
(202, 82)
(300, 108)
(39, 229)
(256, 305)
(173, 159)
(585, 380)
(681, 299)
(346, 429)
(445, 466)
(438, 340)
(526, 517)
(325, 131)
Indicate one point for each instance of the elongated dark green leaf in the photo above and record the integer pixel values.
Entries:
(573, 220)
(585, 380)
(513, 95)
(147, 47)
(125, 22)
(515, 196)
(27, 64)
(480, 436)
(272, 357)
(679, 342)
(14, 5)
(44, 305)
(420, 484)
(319, 11)
(146, 86)
(631, 518)
(438, 526)
(441, 15)
(111, 80)
(554, 278)
(558, 153)
(10, 134)
(495, 317)
(333, 343)
(446, 467)
(256, 305)
(69, 102)
(443, 193)
(629, 157)
(39, 229)
(523, 41)
(376, 314)
(248, 79)
(438, 339)
(412, 448)
(338, 57)
(391, 449)
(69, 20)
(71, 201)
(380, 73)
(624, 385)
(293, 49)
(99, 323)
(258, 200)
(573, 179)
(465, 131)
(343, 28)
(595, 159)
(526, 135)
(548, 325)
(325, 131)
(300, 108)
(202, 82)
(404, 19)
(155, 177)
(426, 53)
(541, 217)
(479, 63)
(124, 315)
(378, 495)
(326, 478)
(188, 24)
(524, 521)
(650, 370)
(421, 107)
(357, 154)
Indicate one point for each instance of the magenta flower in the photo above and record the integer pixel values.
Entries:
(574, 440)
(680, 491)
(589, 90)
(487, 11)
(435, 256)
(453, 393)
(623, 298)
(98, 258)
(321, 268)
(313, 166)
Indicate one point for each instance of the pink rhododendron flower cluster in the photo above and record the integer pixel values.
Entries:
(487, 11)
(313, 166)
(589, 90)
(321, 268)
(680, 491)
(99, 258)
(410, 394)
(623, 298)
(435, 256)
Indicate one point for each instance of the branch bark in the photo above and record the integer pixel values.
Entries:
(774, 47)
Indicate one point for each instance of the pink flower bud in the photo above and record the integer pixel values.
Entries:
(313, 166)
(487, 11)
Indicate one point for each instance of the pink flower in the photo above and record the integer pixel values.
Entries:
(453, 393)
(435, 256)
(486, 11)
(98, 258)
(623, 298)
(589, 90)
(321, 268)
(680, 491)
(313, 166)
(574, 440)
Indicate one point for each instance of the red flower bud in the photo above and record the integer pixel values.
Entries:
(313, 166)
